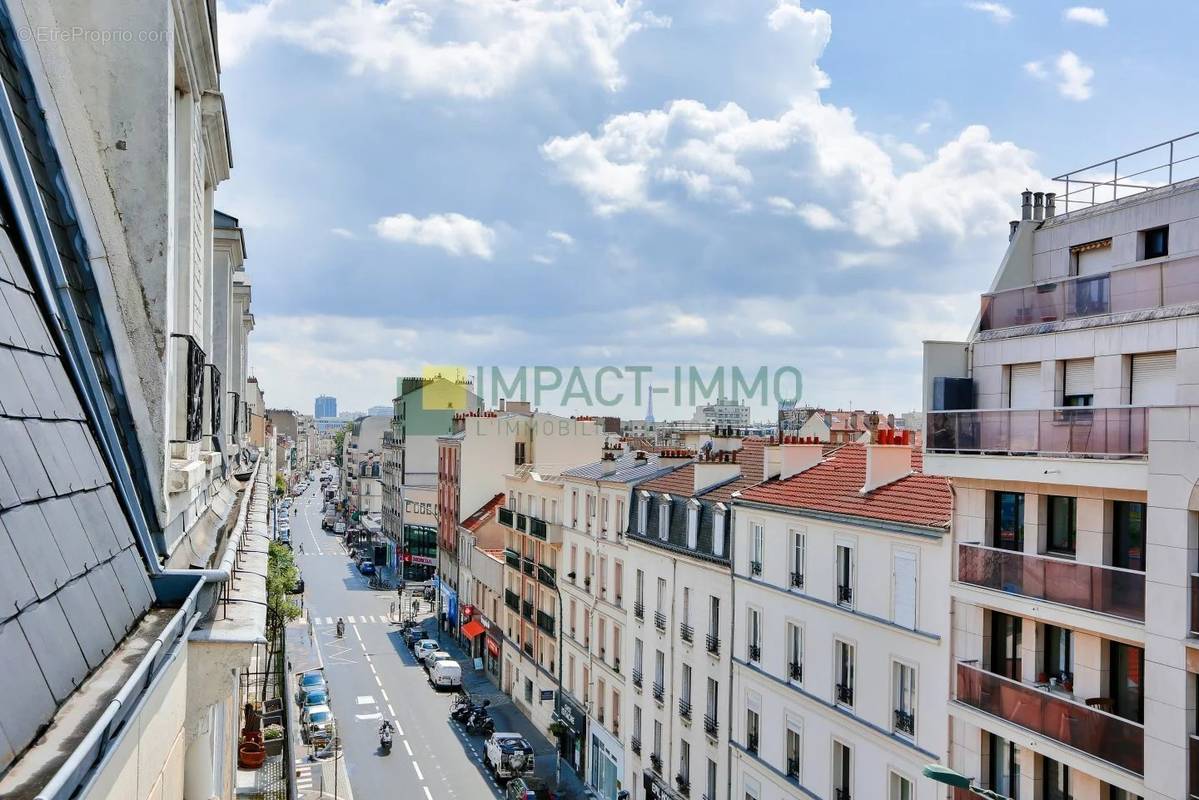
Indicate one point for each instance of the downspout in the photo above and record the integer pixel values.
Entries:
(732, 528)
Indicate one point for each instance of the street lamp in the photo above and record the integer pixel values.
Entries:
(558, 694)
(957, 780)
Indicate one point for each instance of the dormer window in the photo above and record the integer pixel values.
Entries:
(643, 513)
(664, 518)
(718, 522)
(692, 524)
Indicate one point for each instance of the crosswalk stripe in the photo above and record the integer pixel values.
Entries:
(350, 620)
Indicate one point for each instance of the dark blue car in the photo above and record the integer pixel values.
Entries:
(366, 567)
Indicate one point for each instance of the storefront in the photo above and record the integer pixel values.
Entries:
(449, 602)
(657, 789)
(418, 531)
(492, 650)
(607, 763)
(473, 632)
(574, 736)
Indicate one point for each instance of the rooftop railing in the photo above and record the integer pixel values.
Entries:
(1114, 591)
(1156, 285)
(1105, 736)
(1075, 432)
(1150, 167)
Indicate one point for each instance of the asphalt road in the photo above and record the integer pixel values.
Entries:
(372, 676)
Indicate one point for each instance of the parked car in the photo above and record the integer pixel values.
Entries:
(424, 647)
(413, 635)
(431, 659)
(366, 566)
(307, 682)
(508, 755)
(316, 697)
(446, 674)
(339, 527)
(316, 724)
(528, 789)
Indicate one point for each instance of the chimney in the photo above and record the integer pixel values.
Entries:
(1026, 205)
(715, 468)
(1038, 206)
(1050, 205)
(799, 455)
(772, 460)
(888, 461)
(1012, 226)
(608, 463)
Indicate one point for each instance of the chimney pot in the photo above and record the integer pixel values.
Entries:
(1038, 206)
(1026, 205)
(1050, 205)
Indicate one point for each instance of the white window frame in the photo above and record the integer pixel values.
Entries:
(719, 520)
(799, 554)
(793, 633)
(914, 554)
(664, 517)
(643, 513)
(757, 542)
(897, 666)
(692, 523)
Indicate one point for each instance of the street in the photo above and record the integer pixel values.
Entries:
(372, 676)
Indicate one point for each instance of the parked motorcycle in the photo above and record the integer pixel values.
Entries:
(464, 712)
(480, 724)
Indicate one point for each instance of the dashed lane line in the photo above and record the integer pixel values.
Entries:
(428, 794)
(419, 775)
(390, 710)
(408, 747)
(385, 700)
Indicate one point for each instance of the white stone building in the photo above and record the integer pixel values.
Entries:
(1072, 440)
(840, 645)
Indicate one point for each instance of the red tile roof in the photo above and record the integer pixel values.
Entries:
(750, 459)
(834, 485)
(680, 482)
(476, 520)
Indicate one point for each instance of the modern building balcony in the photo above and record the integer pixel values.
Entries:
(529, 567)
(1107, 737)
(547, 575)
(530, 525)
(1112, 591)
(1081, 445)
(1164, 283)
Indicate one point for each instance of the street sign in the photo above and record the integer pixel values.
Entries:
(547, 694)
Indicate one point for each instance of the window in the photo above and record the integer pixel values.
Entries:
(528, 691)
(753, 724)
(661, 607)
(603, 526)
(686, 605)
(520, 453)
(1060, 536)
(664, 518)
(710, 791)
(574, 508)
(642, 513)
(574, 560)
(639, 588)
(618, 580)
(1059, 661)
(1001, 768)
(903, 588)
(843, 672)
(685, 689)
(1055, 780)
(901, 788)
(1008, 531)
(754, 639)
(638, 653)
(1078, 383)
(1127, 668)
(692, 524)
(842, 772)
(794, 744)
(600, 696)
(903, 679)
(618, 523)
(570, 674)
(684, 762)
(1128, 535)
(718, 530)
(1156, 242)
(657, 738)
(799, 549)
(712, 710)
(573, 615)
(637, 722)
(758, 545)
(794, 652)
(659, 669)
(845, 575)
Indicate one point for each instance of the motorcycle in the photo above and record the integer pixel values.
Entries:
(481, 724)
(464, 712)
(385, 741)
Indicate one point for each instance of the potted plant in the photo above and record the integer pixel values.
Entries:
(557, 729)
(272, 740)
(250, 755)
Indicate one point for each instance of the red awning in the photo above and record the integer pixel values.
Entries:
(472, 629)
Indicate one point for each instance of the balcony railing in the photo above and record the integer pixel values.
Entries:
(512, 600)
(711, 725)
(845, 694)
(1076, 432)
(755, 568)
(504, 515)
(1105, 736)
(659, 620)
(635, 743)
(538, 528)
(1113, 591)
(526, 610)
(797, 580)
(713, 644)
(792, 767)
(545, 622)
(844, 595)
(686, 632)
(751, 742)
(529, 566)
(547, 575)
(905, 722)
(795, 671)
(512, 558)
(639, 610)
(522, 522)
(1158, 285)
(659, 692)
(755, 652)
(637, 678)
(683, 784)
(655, 761)
(684, 708)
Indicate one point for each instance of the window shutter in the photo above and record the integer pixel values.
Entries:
(1153, 379)
(1025, 390)
(1080, 376)
(903, 589)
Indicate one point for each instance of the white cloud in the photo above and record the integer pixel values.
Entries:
(469, 48)
(998, 11)
(776, 327)
(453, 233)
(687, 325)
(561, 237)
(924, 127)
(1087, 15)
(1073, 77)
(344, 233)
(816, 216)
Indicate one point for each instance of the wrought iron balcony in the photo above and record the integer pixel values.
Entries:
(1073, 432)
(512, 558)
(655, 761)
(795, 671)
(905, 722)
(845, 694)
(682, 784)
(686, 632)
(545, 622)
(755, 568)
(547, 575)
(635, 743)
(684, 708)
(713, 643)
(755, 653)
(526, 610)
(1105, 736)
(797, 580)
(529, 566)
(711, 725)
(659, 620)
(844, 595)
(659, 692)
(512, 600)
(505, 515)
(793, 768)
(751, 743)
(637, 678)
(639, 610)
(1093, 587)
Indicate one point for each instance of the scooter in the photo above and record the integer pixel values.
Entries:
(385, 741)
(480, 723)
(466, 711)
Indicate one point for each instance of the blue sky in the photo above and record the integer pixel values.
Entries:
(663, 182)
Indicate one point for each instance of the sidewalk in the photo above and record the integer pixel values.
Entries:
(509, 718)
(315, 778)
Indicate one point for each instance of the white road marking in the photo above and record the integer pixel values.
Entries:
(351, 621)
(385, 700)
(391, 710)
(399, 730)
(419, 775)
(376, 715)
(372, 666)
(378, 681)
(356, 633)
(408, 747)
(366, 700)
(428, 794)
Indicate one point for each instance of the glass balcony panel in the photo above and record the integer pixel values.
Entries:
(1104, 736)
(1093, 587)
(1070, 432)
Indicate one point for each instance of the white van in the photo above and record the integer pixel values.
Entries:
(446, 674)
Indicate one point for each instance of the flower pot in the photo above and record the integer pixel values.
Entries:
(273, 747)
(250, 755)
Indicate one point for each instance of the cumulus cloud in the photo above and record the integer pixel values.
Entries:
(468, 48)
(687, 325)
(453, 233)
(816, 216)
(1071, 76)
(561, 237)
(775, 327)
(997, 11)
(1086, 15)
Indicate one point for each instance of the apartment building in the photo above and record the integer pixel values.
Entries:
(1067, 423)
(840, 625)
(595, 596)
(363, 443)
(679, 562)
(125, 443)
(485, 630)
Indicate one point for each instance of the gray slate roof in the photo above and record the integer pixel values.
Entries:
(628, 469)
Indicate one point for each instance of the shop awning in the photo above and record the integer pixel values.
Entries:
(472, 629)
